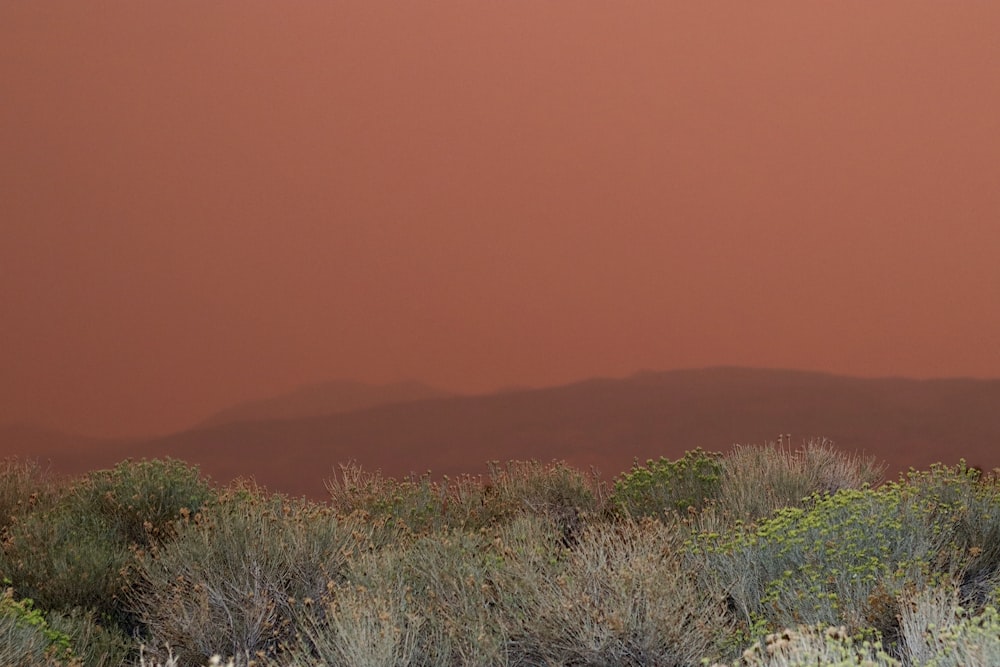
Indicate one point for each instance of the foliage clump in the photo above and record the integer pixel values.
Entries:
(231, 577)
(850, 557)
(26, 638)
(75, 551)
(762, 557)
(669, 486)
(418, 505)
(759, 480)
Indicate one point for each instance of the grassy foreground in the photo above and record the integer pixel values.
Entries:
(764, 557)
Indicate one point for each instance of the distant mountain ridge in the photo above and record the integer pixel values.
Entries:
(326, 398)
(605, 423)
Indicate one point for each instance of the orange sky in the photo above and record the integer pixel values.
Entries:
(205, 202)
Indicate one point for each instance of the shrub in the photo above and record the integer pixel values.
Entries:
(971, 641)
(622, 596)
(171, 661)
(851, 557)
(938, 632)
(405, 605)
(443, 599)
(759, 480)
(24, 645)
(358, 626)
(415, 505)
(811, 646)
(962, 510)
(64, 558)
(843, 558)
(24, 487)
(668, 486)
(141, 500)
(420, 505)
(26, 638)
(922, 612)
(450, 579)
(76, 552)
(93, 644)
(555, 490)
(229, 581)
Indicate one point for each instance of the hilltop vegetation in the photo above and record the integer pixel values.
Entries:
(761, 557)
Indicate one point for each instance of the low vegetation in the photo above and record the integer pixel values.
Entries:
(761, 557)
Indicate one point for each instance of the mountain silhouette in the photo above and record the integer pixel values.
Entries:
(325, 399)
(602, 423)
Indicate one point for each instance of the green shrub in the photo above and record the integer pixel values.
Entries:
(440, 590)
(938, 632)
(853, 557)
(922, 612)
(76, 552)
(420, 505)
(842, 559)
(64, 558)
(26, 638)
(23, 645)
(668, 486)
(415, 505)
(141, 500)
(229, 581)
(963, 512)
(443, 599)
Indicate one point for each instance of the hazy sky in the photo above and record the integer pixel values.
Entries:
(205, 202)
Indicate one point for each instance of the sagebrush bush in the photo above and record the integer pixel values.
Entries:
(448, 598)
(356, 625)
(26, 638)
(971, 641)
(814, 646)
(141, 500)
(621, 596)
(923, 611)
(24, 645)
(841, 559)
(93, 643)
(64, 558)
(533, 564)
(24, 487)
(421, 505)
(75, 551)
(230, 579)
(416, 504)
(452, 577)
(852, 556)
(668, 486)
(757, 480)
(555, 490)
(962, 509)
